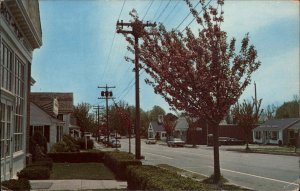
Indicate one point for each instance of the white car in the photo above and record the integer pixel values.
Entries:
(175, 142)
(150, 141)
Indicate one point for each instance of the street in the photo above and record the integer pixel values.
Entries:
(251, 170)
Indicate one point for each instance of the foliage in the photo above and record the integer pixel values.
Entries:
(289, 109)
(200, 74)
(120, 118)
(68, 144)
(77, 157)
(246, 115)
(38, 146)
(13, 184)
(119, 161)
(81, 143)
(269, 112)
(155, 112)
(169, 123)
(34, 173)
(148, 177)
(85, 119)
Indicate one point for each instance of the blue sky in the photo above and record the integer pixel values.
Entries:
(81, 50)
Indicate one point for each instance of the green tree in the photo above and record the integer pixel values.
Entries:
(85, 120)
(288, 109)
(169, 123)
(155, 112)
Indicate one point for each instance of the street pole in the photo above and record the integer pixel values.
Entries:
(106, 95)
(137, 31)
(97, 108)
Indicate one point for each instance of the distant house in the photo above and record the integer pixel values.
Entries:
(156, 129)
(294, 133)
(181, 128)
(46, 124)
(56, 104)
(275, 131)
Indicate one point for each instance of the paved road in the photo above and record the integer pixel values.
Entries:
(255, 171)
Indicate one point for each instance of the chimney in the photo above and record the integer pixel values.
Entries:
(160, 119)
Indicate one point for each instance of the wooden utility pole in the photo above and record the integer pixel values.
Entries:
(137, 32)
(97, 108)
(106, 95)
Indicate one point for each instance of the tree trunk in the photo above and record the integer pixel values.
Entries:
(217, 171)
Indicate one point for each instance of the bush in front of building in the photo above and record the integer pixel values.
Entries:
(147, 177)
(118, 162)
(78, 157)
(37, 146)
(34, 173)
(13, 184)
(89, 143)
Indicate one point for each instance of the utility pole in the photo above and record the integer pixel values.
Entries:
(106, 95)
(97, 108)
(137, 32)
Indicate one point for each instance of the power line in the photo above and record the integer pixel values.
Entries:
(150, 4)
(163, 10)
(198, 14)
(111, 46)
(175, 5)
(187, 16)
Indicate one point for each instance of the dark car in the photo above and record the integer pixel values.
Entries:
(175, 142)
(234, 141)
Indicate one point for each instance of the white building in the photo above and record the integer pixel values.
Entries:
(20, 34)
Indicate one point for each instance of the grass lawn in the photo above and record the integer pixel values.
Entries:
(272, 150)
(223, 185)
(89, 171)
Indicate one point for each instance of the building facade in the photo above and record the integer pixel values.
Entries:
(20, 34)
(58, 105)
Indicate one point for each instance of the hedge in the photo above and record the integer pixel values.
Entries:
(34, 173)
(77, 157)
(118, 162)
(13, 184)
(149, 177)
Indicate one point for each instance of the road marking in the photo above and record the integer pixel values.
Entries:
(159, 155)
(272, 179)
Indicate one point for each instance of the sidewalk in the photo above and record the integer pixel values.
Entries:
(76, 184)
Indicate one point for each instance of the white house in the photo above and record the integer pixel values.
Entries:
(274, 131)
(61, 109)
(20, 34)
(156, 129)
(47, 125)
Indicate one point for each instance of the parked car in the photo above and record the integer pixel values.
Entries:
(114, 143)
(175, 142)
(234, 141)
(150, 141)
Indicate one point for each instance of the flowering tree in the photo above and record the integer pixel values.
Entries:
(202, 74)
(246, 115)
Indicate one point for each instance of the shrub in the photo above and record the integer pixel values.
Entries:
(13, 184)
(119, 161)
(34, 173)
(38, 146)
(81, 143)
(148, 177)
(68, 144)
(77, 157)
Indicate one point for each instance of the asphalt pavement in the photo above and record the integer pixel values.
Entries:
(251, 170)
